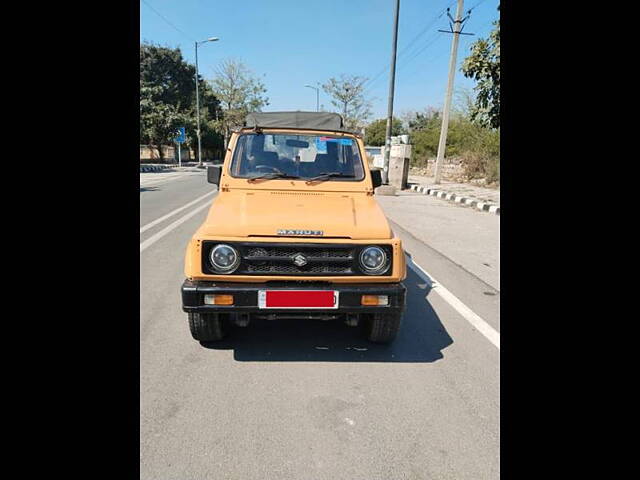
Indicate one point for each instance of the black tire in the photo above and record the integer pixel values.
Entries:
(383, 327)
(206, 327)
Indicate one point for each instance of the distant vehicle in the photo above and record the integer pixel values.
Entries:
(295, 233)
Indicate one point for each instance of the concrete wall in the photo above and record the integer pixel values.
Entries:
(452, 169)
(150, 155)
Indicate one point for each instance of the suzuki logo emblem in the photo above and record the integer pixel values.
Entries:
(300, 260)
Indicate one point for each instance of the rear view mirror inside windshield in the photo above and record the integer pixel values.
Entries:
(297, 143)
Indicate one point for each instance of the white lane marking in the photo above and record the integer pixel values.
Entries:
(153, 179)
(473, 318)
(171, 214)
(154, 238)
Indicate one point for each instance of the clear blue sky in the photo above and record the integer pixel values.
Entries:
(290, 43)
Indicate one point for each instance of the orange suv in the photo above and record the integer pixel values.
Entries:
(295, 232)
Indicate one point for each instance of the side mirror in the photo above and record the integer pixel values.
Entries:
(213, 174)
(376, 178)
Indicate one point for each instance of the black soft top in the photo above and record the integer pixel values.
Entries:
(297, 120)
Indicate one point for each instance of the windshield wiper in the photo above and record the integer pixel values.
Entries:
(271, 176)
(327, 176)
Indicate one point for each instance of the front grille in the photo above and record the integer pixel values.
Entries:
(278, 259)
(287, 252)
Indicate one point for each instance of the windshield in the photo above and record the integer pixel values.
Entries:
(298, 156)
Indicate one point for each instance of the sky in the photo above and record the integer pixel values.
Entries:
(290, 43)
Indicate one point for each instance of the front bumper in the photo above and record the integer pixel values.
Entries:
(245, 296)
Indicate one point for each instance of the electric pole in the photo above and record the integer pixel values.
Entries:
(456, 29)
(392, 81)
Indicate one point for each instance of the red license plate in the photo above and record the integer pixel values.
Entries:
(298, 299)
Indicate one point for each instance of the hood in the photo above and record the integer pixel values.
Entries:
(239, 213)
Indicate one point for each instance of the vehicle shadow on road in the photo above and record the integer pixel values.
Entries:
(422, 336)
(149, 189)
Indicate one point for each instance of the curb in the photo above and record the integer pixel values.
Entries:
(154, 168)
(452, 197)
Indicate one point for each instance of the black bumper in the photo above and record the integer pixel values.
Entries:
(245, 296)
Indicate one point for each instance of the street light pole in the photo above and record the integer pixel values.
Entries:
(212, 39)
(198, 109)
(346, 91)
(392, 81)
(317, 96)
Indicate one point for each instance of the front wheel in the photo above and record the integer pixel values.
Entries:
(383, 327)
(206, 327)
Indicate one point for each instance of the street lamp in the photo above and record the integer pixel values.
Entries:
(317, 96)
(211, 39)
(346, 92)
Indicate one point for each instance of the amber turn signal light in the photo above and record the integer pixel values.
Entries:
(218, 299)
(374, 300)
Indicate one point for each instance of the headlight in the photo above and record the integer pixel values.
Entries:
(373, 260)
(224, 259)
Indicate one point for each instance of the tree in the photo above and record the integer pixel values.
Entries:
(158, 121)
(167, 97)
(483, 65)
(376, 131)
(239, 92)
(347, 95)
(465, 101)
(211, 138)
(477, 146)
(429, 118)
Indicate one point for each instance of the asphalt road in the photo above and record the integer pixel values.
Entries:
(312, 400)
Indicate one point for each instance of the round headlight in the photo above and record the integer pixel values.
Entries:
(373, 260)
(224, 258)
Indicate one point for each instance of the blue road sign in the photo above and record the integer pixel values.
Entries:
(181, 135)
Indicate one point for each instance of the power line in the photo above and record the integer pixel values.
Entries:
(411, 42)
(428, 43)
(437, 56)
(403, 63)
(481, 1)
(425, 29)
(416, 52)
(408, 60)
(163, 17)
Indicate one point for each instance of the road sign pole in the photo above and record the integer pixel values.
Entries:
(179, 155)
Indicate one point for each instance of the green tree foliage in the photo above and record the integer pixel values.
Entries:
(483, 65)
(476, 145)
(239, 92)
(168, 101)
(375, 133)
(347, 96)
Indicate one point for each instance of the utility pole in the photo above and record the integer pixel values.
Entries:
(392, 81)
(456, 29)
